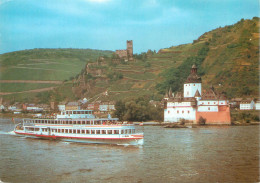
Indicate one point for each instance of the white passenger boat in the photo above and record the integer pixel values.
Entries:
(81, 126)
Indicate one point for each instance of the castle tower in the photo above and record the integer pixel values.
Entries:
(129, 48)
(192, 84)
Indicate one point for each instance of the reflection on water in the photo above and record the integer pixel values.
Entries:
(208, 154)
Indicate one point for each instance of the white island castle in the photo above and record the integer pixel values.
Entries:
(194, 103)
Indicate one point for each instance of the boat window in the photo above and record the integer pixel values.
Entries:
(122, 131)
(133, 130)
(116, 131)
(78, 131)
(74, 131)
(62, 130)
(83, 122)
(97, 131)
(70, 131)
(109, 131)
(78, 122)
(92, 131)
(87, 131)
(37, 129)
(83, 131)
(88, 122)
(66, 131)
(103, 131)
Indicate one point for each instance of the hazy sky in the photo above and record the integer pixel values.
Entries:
(107, 24)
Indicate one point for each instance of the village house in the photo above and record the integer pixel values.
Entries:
(62, 106)
(32, 108)
(194, 103)
(15, 107)
(107, 107)
(2, 107)
(93, 106)
(247, 104)
(72, 106)
(257, 105)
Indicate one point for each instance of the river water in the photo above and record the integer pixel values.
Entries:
(205, 154)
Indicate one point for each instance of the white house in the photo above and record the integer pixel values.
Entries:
(257, 105)
(62, 106)
(247, 105)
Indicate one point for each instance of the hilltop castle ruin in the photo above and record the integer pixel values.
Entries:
(127, 54)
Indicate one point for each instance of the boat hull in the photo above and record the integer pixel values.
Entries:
(131, 140)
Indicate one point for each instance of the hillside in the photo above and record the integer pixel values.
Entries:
(25, 72)
(227, 58)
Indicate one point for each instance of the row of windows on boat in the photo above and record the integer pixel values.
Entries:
(72, 122)
(74, 131)
(76, 112)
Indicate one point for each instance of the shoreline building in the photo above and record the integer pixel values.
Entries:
(128, 53)
(194, 103)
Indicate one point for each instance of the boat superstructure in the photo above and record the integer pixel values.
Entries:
(81, 126)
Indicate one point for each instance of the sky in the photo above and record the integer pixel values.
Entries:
(107, 24)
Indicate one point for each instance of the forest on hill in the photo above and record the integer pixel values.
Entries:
(226, 57)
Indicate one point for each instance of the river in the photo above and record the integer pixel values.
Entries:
(205, 154)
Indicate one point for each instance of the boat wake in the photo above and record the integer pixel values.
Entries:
(7, 133)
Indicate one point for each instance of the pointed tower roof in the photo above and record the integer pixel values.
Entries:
(166, 94)
(170, 93)
(194, 66)
(197, 94)
(193, 77)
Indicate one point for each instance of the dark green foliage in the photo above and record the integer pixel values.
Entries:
(142, 56)
(175, 77)
(202, 121)
(138, 109)
(245, 116)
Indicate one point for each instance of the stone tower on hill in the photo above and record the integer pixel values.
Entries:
(127, 54)
(129, 48)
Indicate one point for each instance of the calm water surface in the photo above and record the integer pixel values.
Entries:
(208, 154)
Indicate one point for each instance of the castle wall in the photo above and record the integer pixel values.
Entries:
(174, 114)
(220, 117)
(121, 53)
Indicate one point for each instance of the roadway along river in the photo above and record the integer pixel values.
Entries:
(206, 154)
